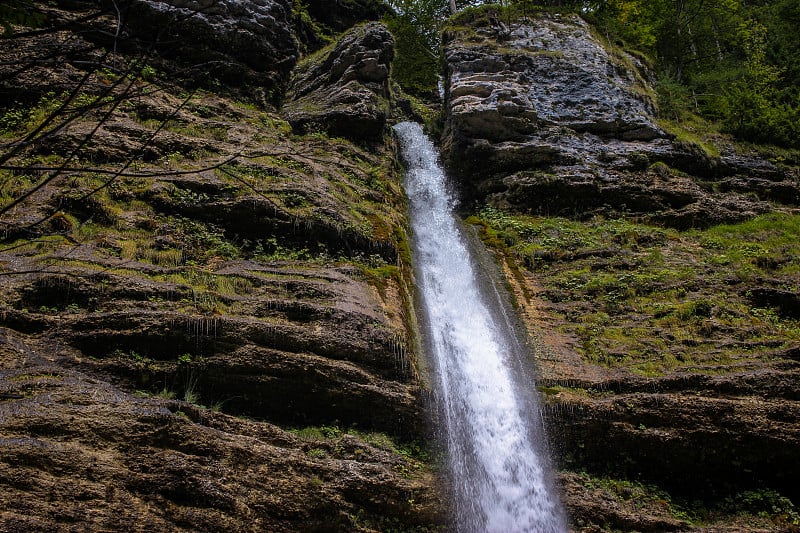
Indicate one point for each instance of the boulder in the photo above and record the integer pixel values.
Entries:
(344, 91)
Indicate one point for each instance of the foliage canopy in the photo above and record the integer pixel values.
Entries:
(730, 60)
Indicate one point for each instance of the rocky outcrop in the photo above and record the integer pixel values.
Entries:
(243, 48)
(51, 62)
(541, 117)
(549, 74)
(344, 91)
(292, 337)
(237, 43)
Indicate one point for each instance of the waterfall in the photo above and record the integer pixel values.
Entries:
(493, 428)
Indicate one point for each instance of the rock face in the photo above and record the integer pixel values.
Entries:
(79, 453)
(245, 48)
(689, 434)
(713, 430)
(269, 291)
(238, 43)
(344, 91)
(219, 336)
(552, 74)
(541, 117)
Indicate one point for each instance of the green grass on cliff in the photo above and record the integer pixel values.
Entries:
(759, 510)
(653, 300)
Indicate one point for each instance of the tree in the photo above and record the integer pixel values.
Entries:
(416, 26)
(753, 103)
(737, 61)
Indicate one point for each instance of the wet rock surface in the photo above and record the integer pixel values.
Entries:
(344, 90)
(78, 452)
(543, 118)
(686, 450)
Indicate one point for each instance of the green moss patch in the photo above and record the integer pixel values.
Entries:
(653, 300)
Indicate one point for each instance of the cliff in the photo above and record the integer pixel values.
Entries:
(206, 316)
(544, 118)
(665, 343)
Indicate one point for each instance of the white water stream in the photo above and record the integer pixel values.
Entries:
(495, 444)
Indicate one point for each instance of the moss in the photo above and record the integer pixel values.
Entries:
(694, 132)
(763, 509)
(653, 300)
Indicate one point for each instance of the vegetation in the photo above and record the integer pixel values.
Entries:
(732, 61)
(416, 456)
(760, 509)
(655, 300)
(416, 26)
(186, 203)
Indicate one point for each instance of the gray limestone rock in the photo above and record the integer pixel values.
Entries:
(552, 73)
(542, 117)
(344, 91)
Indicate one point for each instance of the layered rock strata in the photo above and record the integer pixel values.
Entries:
(544, 118)
(205, 319)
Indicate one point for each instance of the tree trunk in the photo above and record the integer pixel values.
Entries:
(453, 7)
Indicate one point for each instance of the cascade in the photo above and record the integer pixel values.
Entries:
(493, 429)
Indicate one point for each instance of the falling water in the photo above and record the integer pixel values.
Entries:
(493, 428)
